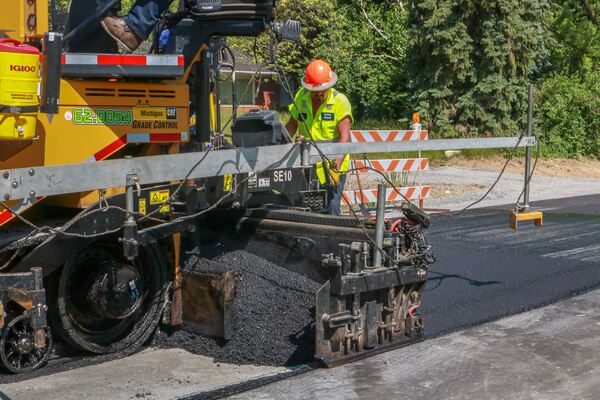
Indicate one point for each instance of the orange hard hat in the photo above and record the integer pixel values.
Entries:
(319, 76)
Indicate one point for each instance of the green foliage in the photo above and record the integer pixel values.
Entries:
(366, 43)
(568, 115)
(575, 36)
(61, 5)
(471, 62)
(313, 15)
(463, 64)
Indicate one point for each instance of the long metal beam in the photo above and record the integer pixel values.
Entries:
(332, 149)
(29, 183)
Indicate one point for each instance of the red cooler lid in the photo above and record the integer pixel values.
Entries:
(8, 45)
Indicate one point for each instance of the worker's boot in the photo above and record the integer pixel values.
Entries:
(116, 27)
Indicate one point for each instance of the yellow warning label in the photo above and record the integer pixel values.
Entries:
(160, 197)
(149, 113)
(227, 179)
(142, 207)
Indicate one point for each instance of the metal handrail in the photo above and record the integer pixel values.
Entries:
(29, 183)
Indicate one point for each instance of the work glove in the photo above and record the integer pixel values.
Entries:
(334, 177)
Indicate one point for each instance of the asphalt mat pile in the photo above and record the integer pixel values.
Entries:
(273, 313)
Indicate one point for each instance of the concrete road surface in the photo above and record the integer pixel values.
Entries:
(550, 353)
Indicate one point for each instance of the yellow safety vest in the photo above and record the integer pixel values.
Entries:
(323, 125)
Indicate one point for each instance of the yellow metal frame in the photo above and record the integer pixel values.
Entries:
(536, 216)
(60, 140)
(18, 16)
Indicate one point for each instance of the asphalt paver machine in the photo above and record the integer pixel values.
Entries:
(107, 159)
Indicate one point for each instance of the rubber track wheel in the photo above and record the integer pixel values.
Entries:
(142, 329)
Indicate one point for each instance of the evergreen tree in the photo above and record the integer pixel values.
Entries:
(366, 42)
(574, 27)
(471, 62)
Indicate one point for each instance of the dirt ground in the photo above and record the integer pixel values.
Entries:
(582, 168)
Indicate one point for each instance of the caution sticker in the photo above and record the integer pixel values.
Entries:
(264, 182)
(253, 180)
(160, 197)
(142, 207)
(227, 180)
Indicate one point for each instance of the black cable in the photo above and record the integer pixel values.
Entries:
(176, 191)
(62, 230)
(498, 178)
(222, 198)
(537, 156)
(324, 158)
(253, 78)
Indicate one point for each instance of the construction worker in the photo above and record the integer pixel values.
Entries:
(323, 114)
(130, 31)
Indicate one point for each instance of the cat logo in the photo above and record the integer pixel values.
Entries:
(171, 113)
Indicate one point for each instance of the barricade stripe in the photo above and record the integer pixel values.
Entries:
(387, 136)
(359, 136)
(391, 165)
(370, 195)
(376, 136)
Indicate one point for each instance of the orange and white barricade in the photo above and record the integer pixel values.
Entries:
(370, 195)
(417, 165)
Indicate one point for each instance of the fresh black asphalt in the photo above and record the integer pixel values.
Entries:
(486, 270)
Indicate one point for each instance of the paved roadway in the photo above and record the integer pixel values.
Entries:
(486, 271)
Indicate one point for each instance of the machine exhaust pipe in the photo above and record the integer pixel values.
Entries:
(51, 68)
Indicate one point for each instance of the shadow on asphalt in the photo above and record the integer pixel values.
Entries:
(486, 271)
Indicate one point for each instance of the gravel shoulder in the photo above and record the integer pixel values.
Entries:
(455, 187)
